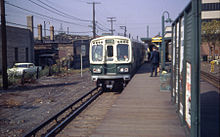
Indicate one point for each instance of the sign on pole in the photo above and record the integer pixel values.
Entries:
(83, 50)
(83, 53)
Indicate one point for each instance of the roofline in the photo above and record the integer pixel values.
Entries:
(110, 37)
(182, 13)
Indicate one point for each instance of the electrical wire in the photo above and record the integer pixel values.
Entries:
(101, 28)
(62, 13)
(39, 14)
(22, 25)
(102, 25)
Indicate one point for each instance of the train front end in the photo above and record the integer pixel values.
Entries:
(110, 61)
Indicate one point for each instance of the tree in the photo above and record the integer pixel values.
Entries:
(211, 34)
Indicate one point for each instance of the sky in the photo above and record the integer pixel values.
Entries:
(136, 15)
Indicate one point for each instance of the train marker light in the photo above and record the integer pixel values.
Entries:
(97, 70)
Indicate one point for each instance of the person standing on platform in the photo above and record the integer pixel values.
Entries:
(155, 59)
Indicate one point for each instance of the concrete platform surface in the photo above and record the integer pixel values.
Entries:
(141, 111)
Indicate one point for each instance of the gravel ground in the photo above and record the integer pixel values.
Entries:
(24, 108)
(85, 124)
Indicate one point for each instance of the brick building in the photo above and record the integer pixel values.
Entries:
(63, 47)
(19, 44)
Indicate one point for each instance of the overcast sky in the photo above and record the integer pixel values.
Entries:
(135, 14)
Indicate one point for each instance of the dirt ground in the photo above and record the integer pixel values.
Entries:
(22, 108)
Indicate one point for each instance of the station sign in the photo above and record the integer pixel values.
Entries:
(83, 50)
(157, 39)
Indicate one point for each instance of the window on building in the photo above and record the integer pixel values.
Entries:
(16, 54)
(210, 6)
(27, 54)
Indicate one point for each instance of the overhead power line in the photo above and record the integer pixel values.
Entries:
(39, 14)
(102, 25)
(22, 25)
(62, 13)
(101, 28)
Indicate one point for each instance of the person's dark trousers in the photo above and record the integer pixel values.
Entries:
(154, 68)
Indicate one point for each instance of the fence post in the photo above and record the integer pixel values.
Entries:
(22, 78)
(37, 72)
(50, 71)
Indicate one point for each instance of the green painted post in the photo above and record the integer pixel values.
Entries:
(163, 45)
(184, 71)
(195, 91)
(172, 68)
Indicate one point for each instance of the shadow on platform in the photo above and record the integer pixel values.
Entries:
(145, 68)
(210, 113)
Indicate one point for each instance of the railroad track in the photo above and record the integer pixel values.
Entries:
(56, 123)
(215, 81)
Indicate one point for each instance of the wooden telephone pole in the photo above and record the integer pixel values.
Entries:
(4, 47)
(111, 19)
(93, 21)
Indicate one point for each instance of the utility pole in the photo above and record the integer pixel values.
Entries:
(111, 19)
(93, 21)
(147, 31)
(125, 30)
(67, 30)
(61, 28)
(4, 47)
(45, 28)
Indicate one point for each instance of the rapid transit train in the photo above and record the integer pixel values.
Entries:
(114, 60)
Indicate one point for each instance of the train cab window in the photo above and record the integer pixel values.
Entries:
(97, 52)
(122, 52)
(109, 53)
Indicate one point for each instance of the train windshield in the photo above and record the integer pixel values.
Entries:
(122, 52)
(109, 53)
(97, 52)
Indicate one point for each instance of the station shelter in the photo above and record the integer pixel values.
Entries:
(157, 41)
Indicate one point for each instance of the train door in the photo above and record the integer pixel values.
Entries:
(109, 54)
(110, 66)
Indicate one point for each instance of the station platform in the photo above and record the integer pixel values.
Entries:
(142, 110)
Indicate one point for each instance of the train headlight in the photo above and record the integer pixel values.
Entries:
(122, 70)
(97, 70)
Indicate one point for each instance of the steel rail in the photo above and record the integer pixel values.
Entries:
(72, 115)
(215, 81)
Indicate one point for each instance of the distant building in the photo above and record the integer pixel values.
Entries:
(210, 10)
(19, 44)
(62, 47)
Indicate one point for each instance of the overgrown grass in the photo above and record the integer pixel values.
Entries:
(13, 79)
